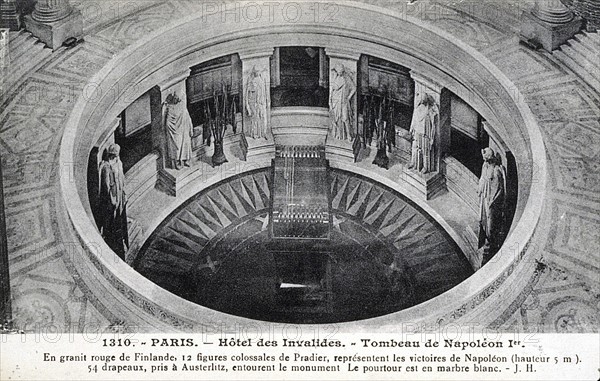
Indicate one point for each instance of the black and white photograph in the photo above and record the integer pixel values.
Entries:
(368, 189)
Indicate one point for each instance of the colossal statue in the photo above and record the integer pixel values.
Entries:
(342, 90)
(423, 131)
(179, 129)
(256, 99)
(492, 191)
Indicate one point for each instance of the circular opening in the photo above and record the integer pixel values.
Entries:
(476, 77)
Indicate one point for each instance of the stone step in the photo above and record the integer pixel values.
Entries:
(31, 48)
(26, 52)
(582, 60)
(580, 66)
(27, 60)
(591, 55)
(21, 45)
(585, 75)
(15, 38)
(582, 55)
(586, 41)
(593, 38)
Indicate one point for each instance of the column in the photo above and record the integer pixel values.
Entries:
(9, 16)
(5, 297)
(54, 21)
(256, 103)
(51, 10)
(549, 24)
(552, 11)
(343, 100)
(426, 174)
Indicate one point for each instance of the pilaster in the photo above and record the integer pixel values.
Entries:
(256, 102)
(343, 100)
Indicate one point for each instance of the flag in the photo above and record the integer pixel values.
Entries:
(356, 145)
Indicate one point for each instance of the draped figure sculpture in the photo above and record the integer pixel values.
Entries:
(423, 130)
(257, 103)
(492, 192)
(341, 91)
(112, 202)
(178, 125)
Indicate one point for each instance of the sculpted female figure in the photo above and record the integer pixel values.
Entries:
(342, 89)
(423, 129)
(179, 128)
(256, 104)
(492, 190)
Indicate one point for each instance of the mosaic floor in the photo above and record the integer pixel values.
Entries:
(383, 254)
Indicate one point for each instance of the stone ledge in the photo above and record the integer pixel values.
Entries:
(427, 186)
(259, 149)
(336, 149)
